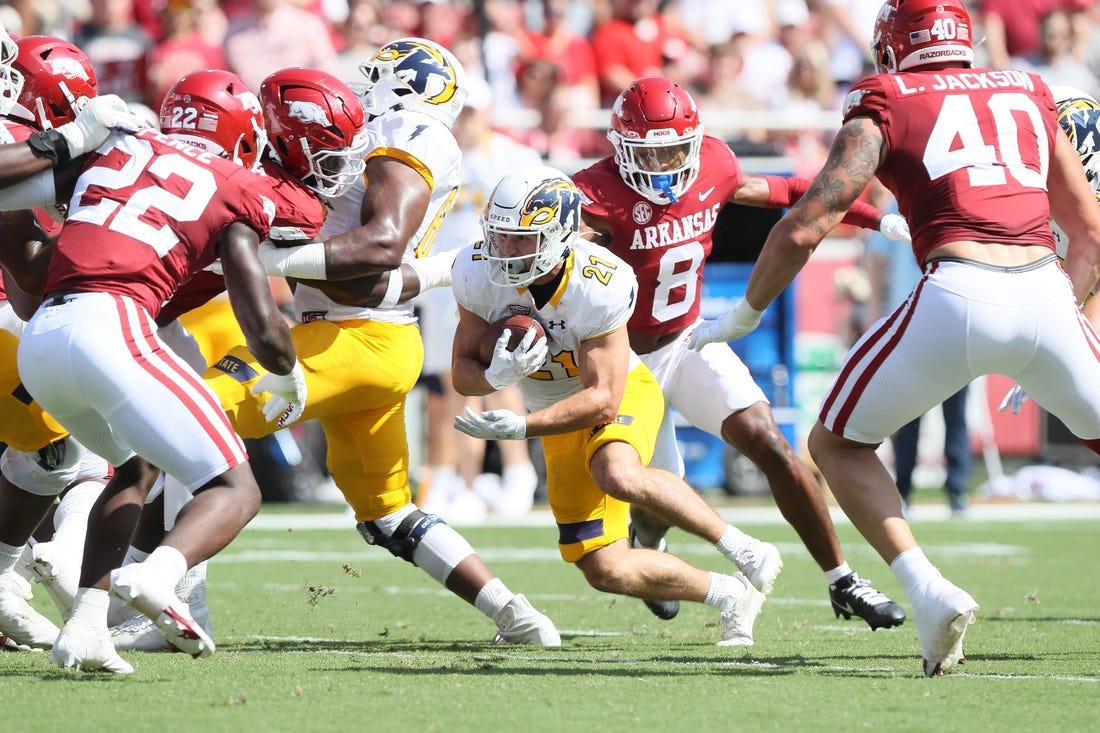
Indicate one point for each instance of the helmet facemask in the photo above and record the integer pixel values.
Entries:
(660, 169)
(551, 247)
(333, 172)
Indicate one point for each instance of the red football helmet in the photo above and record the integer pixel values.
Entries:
(657, 135)
(913, 33)
(216, 111)
(57, 78)
(315, 128)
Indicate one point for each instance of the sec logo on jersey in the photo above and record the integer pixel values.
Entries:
(642, 213)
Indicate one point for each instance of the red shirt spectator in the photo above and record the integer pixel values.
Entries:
(635, 42)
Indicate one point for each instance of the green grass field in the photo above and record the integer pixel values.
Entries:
(316, 631)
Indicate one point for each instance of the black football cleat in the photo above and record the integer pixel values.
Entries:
(855, 596)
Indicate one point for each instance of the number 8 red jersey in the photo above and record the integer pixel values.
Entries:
(970, 160)
(147, 212)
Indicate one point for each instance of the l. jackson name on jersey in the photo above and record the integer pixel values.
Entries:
(666, 245)
(968, 152)
(147, 212)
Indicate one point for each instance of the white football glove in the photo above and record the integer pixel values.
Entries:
(741, 320)
(94, 122)
(895, 228)
(492, 425)
(508, 367)
(288, 395)
(1014, 398)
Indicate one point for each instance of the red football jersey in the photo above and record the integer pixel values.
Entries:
(295, 206)
(968, 152)
(665, 244)
(146, 214)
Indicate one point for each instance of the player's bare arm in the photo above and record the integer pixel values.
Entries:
(1072, 202)
(779, 191)
(266, 332)
(604, 363)
(853, 159)
(595, 229)
(25, 251)
(394, 206)
(467, 371)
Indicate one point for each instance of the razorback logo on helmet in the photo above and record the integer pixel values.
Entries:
(308, 112)
(249, 101)
(67, 67)
(557, 198)
(423, 68)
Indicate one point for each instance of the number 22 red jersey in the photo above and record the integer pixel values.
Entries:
(968, 152)
(665, 244)
(146, 214)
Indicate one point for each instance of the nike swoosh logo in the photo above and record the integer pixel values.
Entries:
(703, 194)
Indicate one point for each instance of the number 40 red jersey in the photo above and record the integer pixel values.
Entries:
(968, 152)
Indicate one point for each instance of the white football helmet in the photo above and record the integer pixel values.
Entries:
(1079, 116)
(415, 73)
(538, 201)
(11, 80)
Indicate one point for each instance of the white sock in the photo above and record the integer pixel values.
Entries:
(913, 570)
(837, 573)
(170, 561)
(732, 541)
(493, 597)
(90, 607)
(133, 554)
(70, 521)
(8, 555)
(721, 586)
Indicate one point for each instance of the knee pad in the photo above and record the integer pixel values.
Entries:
(403, 541)
(45, 472)
(422, 539)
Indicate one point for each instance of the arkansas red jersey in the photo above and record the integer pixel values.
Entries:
(666, 245)
(969, 153)
(147, 211)
(296, 207)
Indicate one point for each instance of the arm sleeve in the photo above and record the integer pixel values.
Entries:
(784, 191)
(34, 193)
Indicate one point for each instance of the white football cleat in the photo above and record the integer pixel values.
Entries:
(942, 612)
(761, 563)
(738, 614)
(18, 620)
(140, 633)
(138, 586)
(82, 647)
(520, 623)
(57, 568)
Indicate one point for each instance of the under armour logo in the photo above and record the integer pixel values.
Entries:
(555, 324)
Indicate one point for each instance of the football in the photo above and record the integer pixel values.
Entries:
(517, 324)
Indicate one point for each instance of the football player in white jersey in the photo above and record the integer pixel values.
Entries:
(456, 486)
(361, 360)
(596, 407)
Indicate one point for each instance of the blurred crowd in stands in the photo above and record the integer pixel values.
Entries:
(553, 65)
